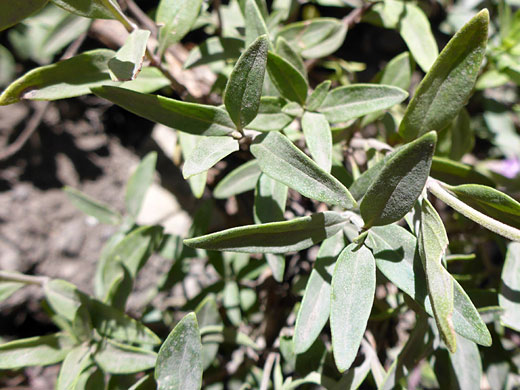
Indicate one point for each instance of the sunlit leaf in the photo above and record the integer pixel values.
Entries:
(318, 138)
(510, 288)
(139, 183)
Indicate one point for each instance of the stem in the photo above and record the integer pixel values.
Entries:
(435, 187)
(21, 278)
(120, 16)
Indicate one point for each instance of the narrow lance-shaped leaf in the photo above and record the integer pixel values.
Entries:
(208, 152)
(433, 242)
(244, 88)
(353, 101)
(510, 288)
(283, 161)
(208, 315)
(353, 289)
(176, 18)
(270, 115)
(214, 49)
(318, 137)
(69, 78)
(179, 364)
(76, 361)
(467, 365)
(116, 358)
(139, 183)
(399, 183)
(318, 96)
(492, 202)
(315, 307)
(287, 52)
(89, 206)
(35, 351)
(14, 11)
(448, 84)
(274, 237)
(129, 58)
(254, 21)
(239, 180)
(198, 119)
(95, 9)
(287, 79)
(188, 144)
(395, 250)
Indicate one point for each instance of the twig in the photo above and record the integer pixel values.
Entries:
(39, 112)
(355, 16)
(21, 278)
(141, 17)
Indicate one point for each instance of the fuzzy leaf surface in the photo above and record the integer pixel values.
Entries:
(208, 152)
(239, 180)
(280, 159)
(128, 61)
(399, 183)
(318, 137)
(287, 78)
(508, 297)
(274, 237)
(448, 84)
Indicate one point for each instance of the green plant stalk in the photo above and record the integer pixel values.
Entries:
(436, 188)
(21, 278)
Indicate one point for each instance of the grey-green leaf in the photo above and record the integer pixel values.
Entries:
(315, 307)
(274, 237)
(254, 21)
(179, 364)
(287, 52)
(116, 358)
(399, 183)
(208, 152)
(75, 362)
(353, 289)
(176, 18)
(139, 183)
(315, 38)
(433, 242)
(208, 315)
(510, 288)
(270, 116)
(95, 9)
(287, 79)
(448, 84)
(489, 201)
(395, 250)
(128, 61)
(353, 101)
(467, 364)
(14, 11)
(103, 213)
(198, 119)
(244, 88)
(239, 180)
(361, 185)
(284, 162)
(214, 49)
(35, 351)
(270, 199)
(69, 78)
(318, 137)
(318, 96)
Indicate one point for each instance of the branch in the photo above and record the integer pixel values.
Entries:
(21, 278)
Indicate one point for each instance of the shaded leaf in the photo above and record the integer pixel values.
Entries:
(231, 302)
(318, 137)
(208, 315)
(193, 118)
(509, 296)
(433, 242)
(179, 364)
(75, 362)
(275, 237)
(284, 162)
(315, 307)
(139, 183)
(116, 358)
(254, 21)
(454, 172)
(287, 79)
(9, 288)
(318, 96)
(270, 116)
(128, 60)
(315, 38)
(176, 18)
(35, 351)
(489, 201)
(361, 185)
(399, 183)
(244, 87)
(467, 365)
(208, 152)
(95, 9)
(65, 79)
(14, 12)
(352, 296)
(457, 139)
(353, 101)
(239, 180)
(448, 84)
(103, 213)
(214, 49)
(287, 52)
